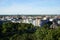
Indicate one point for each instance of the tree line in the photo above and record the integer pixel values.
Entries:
(25, 31)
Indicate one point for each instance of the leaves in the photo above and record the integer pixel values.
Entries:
(25, 31)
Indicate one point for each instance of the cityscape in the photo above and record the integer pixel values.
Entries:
(35, 20)
(29, 19)
(23, 27)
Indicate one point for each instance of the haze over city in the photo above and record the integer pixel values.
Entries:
(29, 7)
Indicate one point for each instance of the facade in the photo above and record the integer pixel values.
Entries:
(37, 22)
(34, 20)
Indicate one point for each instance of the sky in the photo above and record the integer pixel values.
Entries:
(29, 7)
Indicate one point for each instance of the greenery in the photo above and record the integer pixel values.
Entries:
(24, 31)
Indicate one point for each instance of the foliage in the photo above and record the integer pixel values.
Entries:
(25, 31)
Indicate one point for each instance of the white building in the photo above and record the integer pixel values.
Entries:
(34, 20)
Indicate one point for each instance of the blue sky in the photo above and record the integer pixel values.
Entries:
(11, 7)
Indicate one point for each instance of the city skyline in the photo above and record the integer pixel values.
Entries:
(29, 7)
